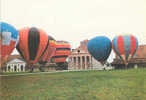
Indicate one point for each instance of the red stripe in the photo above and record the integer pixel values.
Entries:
(57, 60)
(62, 46)
(62, 53)
(120, 45)
(23, 41)
(133, 44)
(7, 49)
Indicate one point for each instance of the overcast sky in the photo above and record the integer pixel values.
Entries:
(76, 20)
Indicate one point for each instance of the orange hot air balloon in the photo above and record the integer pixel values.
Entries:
(49, 51)
(33, 44)
(62, 51)
(9, 37)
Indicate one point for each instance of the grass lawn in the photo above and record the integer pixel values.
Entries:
(88, 85)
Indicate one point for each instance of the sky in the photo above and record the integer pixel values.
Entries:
(77, 20)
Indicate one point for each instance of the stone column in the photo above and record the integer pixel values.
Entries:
(17, 67)
(7, 67)
(70, 63)
(11, 67)
(77, 65)
(90, 62)
(24, 67)
(69, 59)
(20, 67)
(85, 62)
(81, 64)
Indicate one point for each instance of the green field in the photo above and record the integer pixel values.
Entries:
(86, 85)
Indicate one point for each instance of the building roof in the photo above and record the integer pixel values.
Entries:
(11, 57)
(15, 60)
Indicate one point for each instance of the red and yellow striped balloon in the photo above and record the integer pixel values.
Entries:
(62, 51)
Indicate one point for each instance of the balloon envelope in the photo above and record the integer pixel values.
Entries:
(100, 48)
(125, 46)
(62, 51)
(49, 51)
(33, 44)
(9, 37)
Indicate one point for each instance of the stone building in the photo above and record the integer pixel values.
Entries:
(15, 65)
(80, 58)
(139, 59)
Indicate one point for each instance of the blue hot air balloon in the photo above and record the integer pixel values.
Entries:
(9, 37)
(100, 48)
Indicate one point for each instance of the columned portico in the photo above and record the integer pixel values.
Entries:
(15, 65)
(82, 61)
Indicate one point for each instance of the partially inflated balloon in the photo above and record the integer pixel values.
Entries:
(62, 51)
(9, 37)
(33, 44)
(100, 48)
(49, 51)
(125, 46)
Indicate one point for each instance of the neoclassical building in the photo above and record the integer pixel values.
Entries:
(15, 65)
(80, 59)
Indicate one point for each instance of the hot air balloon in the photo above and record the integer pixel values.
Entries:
(9, 37)
(62, 52)
(125, 47)
(33, 44)
(100, 48)
(48, 52)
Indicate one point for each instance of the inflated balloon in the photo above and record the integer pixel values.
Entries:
(49, 51)
(33, 44)
(9, 37)
(125, 47)
(62, 51)
(100, 48)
